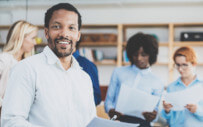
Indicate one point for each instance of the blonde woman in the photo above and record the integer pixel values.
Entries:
(192, 116)
(19, 44)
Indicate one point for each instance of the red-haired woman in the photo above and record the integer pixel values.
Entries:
(185, 62)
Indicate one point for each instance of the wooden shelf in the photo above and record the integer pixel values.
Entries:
(161, 63)
(4, 26)
(157, 63)
(160, 44)
(37, 45)
(105, 62)
(189, 43)
(98, 44)
(163, 44)
(40, 26)
(146, 25)
(99, 26)
(41, 45)
(188, 24)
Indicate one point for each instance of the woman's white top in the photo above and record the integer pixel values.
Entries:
(7, 61)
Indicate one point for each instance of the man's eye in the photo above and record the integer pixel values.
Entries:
(72, 28)
(56, 27)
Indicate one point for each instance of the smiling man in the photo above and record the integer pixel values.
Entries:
(50, 89)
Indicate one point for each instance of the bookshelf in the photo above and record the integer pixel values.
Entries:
(168, 35)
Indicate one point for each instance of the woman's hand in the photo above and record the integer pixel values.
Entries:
(113, 112)
(167, 107)
(191, 107)
(150, 116)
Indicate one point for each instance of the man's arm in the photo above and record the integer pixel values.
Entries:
(19, 97)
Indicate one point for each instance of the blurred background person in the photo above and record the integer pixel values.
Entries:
(19, 43)
(90, 68)
(185, 62)
(142, 51)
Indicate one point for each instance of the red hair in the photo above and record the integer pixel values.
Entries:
(188, 52)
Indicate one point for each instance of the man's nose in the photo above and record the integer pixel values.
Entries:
(64, 32)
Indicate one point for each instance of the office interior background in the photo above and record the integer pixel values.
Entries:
(165, 19)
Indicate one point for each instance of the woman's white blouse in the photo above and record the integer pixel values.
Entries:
(7, 61)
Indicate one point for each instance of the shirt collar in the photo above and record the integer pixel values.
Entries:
(53, 59)
(142, 71)
(179, 81)
(75, 64)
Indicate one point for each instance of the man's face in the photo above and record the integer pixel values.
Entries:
(63, 32)
(141, 59)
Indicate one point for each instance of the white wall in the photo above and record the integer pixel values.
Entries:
(109, 12)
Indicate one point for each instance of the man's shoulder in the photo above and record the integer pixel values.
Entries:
(32, 60)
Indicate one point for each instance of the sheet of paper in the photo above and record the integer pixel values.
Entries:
(132, 101)
(100, 122)
(181, 98)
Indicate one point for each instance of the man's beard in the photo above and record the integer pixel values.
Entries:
(56, 51)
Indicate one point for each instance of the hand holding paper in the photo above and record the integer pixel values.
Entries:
(191, 107)
(113, 113)
(150, 116)
(99, 122)
(167, 107)
(181, 98)
(132, 101)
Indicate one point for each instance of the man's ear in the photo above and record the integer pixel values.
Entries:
(46, 31)
(79, 35)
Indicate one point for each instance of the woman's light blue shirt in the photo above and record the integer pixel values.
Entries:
(126, 75)
(184, 118)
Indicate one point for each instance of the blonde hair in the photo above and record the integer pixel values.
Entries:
(188, 52)
(17, 32)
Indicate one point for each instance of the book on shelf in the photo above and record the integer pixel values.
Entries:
(125, 57)
(108, 61)
(91, 54)
(98, 37)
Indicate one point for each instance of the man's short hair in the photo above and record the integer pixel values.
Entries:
(59, 6)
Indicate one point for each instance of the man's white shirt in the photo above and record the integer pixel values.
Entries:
(41, 93)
